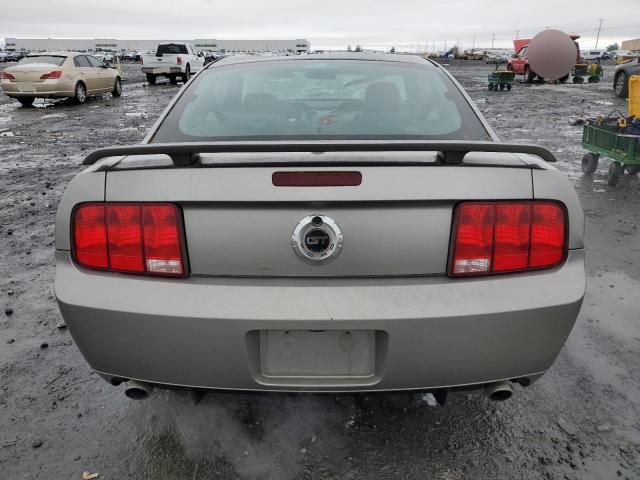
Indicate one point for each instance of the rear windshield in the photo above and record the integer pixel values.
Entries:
(321, 99)
(43, 59)
(171, 48)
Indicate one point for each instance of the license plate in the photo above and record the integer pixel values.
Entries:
(317, 354)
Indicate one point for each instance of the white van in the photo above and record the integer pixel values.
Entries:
(592, 54)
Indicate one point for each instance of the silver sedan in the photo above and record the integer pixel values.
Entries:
(330, 223)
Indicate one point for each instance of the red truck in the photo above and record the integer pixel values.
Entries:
(519, 62)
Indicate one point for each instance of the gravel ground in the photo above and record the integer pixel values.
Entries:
(58, 419)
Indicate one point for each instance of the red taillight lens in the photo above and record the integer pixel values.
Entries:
(179, 60)
(7, 76)
(90, 236)
(511, 251)
(141, 60)
(547, 235)
(496, 237)
(125, 238)
(129, 237)
(51, 75)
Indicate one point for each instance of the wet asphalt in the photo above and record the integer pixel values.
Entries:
(58, 419)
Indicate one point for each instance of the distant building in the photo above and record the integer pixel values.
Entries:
(93, 45)
(252, 46)
(631, 44)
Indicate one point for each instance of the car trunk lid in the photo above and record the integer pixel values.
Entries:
(31, 73)
(396, 222)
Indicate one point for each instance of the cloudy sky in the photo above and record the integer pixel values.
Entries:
(406, 24)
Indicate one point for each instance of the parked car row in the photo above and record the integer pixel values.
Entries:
(12, 56)
(497, 59)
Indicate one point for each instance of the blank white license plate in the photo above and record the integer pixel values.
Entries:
(313, 354)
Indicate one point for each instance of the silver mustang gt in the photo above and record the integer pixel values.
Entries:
(320, 223)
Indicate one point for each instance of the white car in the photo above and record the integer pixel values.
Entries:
(172, 60)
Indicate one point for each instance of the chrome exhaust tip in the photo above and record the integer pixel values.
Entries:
(499, 391)
(137, 390)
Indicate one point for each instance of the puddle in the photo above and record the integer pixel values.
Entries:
(618, 306)
(7, 134)
(54, 115)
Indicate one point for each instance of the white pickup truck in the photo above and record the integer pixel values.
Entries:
(172, 60)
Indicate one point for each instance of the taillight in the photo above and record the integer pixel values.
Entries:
(7, 76)
(316, 179)
(51, 75)
(129, 237)
(141, 60)
(179, 60)
(497, 237)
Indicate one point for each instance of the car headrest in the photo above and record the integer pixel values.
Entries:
(382, 97)
(262, 103)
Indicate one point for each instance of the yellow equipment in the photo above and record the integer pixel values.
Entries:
(624, 58)
(634, 96)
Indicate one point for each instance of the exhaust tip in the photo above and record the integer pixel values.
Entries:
(136, 393)
(501, 395)
(138, 390)
(499, 391)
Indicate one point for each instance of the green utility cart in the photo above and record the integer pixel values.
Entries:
(624, 150)
(501, 79)
(591, 72)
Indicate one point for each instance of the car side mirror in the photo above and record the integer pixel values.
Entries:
(106, 65)
(515, 55)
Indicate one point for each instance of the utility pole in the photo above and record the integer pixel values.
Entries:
(599, 28)
(517, 34)
(493, 40)
(445, 46)
(474, 42)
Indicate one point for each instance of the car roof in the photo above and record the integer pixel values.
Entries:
(371, 57)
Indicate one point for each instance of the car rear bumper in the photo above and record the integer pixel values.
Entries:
(162, 70)
(48, 88)
(430, 332)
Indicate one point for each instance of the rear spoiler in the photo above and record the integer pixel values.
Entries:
(450, 152)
